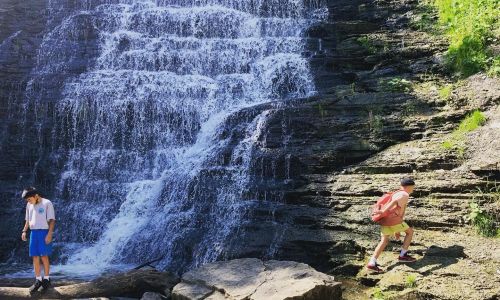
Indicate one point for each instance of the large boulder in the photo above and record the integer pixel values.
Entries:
(254, 279)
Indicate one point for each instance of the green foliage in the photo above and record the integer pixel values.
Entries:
(373, 45)
(425, 19)
(470, 25)
(470, 123)
(376, 122)
(378, 294)
(322, 112)
(494, 70)
(411, 281)
(484, 223)
(445, 91)
(367, 44)
(396, 84)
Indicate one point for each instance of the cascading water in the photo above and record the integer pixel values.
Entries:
(151, 167)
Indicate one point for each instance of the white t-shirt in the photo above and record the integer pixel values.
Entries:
(39, 214)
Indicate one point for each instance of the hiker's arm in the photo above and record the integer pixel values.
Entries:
(25, 229)
(403, 203)
(48, 238)
(389, 206)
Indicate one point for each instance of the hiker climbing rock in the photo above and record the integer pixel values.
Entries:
(389, 212)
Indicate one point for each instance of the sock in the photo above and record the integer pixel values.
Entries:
(403, 252)
(373, 261)
(39, 278)
(46, 277)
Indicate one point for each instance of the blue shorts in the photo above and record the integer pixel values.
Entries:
(37, 243)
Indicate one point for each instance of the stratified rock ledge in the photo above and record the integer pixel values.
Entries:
(254, 279)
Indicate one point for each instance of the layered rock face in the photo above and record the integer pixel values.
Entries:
(322, 162)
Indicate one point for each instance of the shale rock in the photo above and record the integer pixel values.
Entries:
(251, 278)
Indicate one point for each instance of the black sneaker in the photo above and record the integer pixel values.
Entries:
(45, 285)
(34, 288)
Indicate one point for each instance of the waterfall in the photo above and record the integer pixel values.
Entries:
(153, 165)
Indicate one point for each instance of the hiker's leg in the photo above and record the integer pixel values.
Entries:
(408, 237)
(46, 266)
(36, 265)
(381, 246)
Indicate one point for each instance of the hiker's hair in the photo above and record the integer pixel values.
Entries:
(30, 192)
(407, 181)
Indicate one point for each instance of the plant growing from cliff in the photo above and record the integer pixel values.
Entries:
(378, 294)
(366, 43)
(487, 223)
(425, 18)
(445, 92)
(484, 223)
(322, 111)
(470, 123)
(472, 26)
(494, 70)
(396, 84)
(375, 122)
(411, 281)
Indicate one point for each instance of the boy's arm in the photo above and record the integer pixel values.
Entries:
(52, 224)
(26, 226)
(25, 229)
(389, 206)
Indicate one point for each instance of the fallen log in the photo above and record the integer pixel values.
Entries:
(131, 284)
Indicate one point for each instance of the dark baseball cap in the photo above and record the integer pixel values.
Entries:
(29, 192)
(406, 181)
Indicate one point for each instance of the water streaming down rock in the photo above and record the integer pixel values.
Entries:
(154, 163)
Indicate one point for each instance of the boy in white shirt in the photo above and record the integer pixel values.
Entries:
(40, 219)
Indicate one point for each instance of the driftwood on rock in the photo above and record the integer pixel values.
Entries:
(131, 284)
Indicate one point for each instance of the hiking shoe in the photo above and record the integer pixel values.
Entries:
(45, 285)
(34, 288)
(374, 268)
(406, 258)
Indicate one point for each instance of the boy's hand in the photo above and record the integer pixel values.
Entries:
(23, 236)
(48, 238)
(397, 235)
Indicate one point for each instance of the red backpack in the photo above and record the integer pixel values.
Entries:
(378, 217)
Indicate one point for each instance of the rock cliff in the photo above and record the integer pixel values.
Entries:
(380, 115)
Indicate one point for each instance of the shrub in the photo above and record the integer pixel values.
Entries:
(396, 85)
(484, 223)
(445, 92)
(470, 123)
(469, 28)
(411, 281)
(366, 43)
(378, 294)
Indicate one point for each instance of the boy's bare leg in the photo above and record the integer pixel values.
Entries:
(46, 266)
(408, 237)
(381, 246)
(36, 265)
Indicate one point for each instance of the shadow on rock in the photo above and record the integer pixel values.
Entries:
(436, 258)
